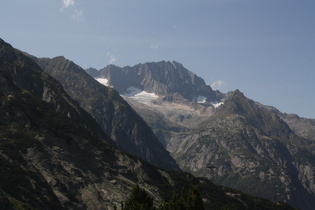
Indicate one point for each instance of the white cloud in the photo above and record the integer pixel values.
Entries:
(111, 57)
(76, 14)
(67, 3)
(218, 85)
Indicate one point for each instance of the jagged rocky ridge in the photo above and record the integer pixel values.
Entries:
(112, 113)
(168, 79)
(304, 127)
(50, 161)
(241, 143)
(251, 149)
(166, 94)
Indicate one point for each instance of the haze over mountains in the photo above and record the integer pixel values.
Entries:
(68, 141)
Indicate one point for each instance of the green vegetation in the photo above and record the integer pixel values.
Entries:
(185, 201)
(7, 202)
(139, 199)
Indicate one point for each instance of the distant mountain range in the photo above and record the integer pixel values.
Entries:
(69, 142)
(226, 137)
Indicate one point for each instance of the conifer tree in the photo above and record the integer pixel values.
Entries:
(186, 201)
(139, 199)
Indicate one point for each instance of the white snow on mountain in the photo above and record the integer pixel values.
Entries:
(140, 95)
(103, 81)
(201, 99)
(216, 104)
(173, 63)
(145, 97)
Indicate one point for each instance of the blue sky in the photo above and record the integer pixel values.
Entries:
(265, 48)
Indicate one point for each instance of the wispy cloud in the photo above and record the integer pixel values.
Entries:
(219, 85)
(67, 3)
(76, 14)
(155, 44)
(111, 58)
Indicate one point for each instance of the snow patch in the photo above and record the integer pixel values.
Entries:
(173, 63)
(201, 99)
(217, 104)
(140, 95)
(103, 81)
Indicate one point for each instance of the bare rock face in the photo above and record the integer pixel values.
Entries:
(168, 96)
(169, 80)
(227, 137)
(50, 159)
(251, 149)
(53, 154)
(162, 78)
(304, 127)
(113, 114)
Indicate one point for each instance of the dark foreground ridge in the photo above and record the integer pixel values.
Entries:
(50, 158)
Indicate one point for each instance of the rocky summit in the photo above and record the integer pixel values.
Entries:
(167, 95)
(251, 149)
(228, 138)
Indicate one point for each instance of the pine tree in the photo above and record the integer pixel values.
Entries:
(139, 199)
(186, 201)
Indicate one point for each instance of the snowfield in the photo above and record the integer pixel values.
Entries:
(216, 104)
(103, 81)
(140, 95)
(202, 100)
(144, 97)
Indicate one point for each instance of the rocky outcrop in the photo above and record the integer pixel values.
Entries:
(251, 149)
(93, 72)
(304, 127)
(170, 80)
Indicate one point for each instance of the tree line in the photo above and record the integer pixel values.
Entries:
(139, 199)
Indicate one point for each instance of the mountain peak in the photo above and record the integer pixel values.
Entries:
(6, 52)
(2, 42)
(167, 79)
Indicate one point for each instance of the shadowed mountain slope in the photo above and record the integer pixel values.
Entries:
(50, 161)
(110, 110)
